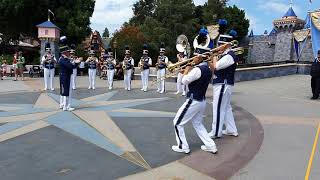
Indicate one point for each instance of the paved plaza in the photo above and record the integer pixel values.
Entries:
(116, 134)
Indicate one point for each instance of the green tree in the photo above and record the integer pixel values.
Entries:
(106, 32)
(237, 20)
(20, 17)
(169, 20)
(213, 10)
(129, 36)
(141, 10)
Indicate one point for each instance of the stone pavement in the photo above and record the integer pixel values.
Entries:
(128, 135)
(290, 122)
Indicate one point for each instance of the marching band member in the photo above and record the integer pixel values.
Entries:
(48, 61)
(161, 72)
(197, 79)
(127, 66)
(66, 70)
(92, 62)
(180, 87)
(223, 82)
(144, 64)
(74, 70)
(111, 65)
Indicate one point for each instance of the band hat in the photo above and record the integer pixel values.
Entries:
(162, 48)
(48, 47)
(127, 52)
(91, 52)
(63, 47)
(145, 52)
(145, 49)
(72, 51)
(107, 55)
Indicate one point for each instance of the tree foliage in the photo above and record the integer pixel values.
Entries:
(164, 20)
(129, 36)
(237, 20)
(20, 17)
(141, 10)
(106, 32)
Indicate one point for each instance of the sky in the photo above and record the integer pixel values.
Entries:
(261, 13)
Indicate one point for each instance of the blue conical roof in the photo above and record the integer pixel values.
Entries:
(251, 33)
(290, 13)
(47, 24)
(273, 32)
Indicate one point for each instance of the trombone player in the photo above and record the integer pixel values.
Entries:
(223, 82)
(127, 64)
(144, 64)
(198, 79)
(161, 69)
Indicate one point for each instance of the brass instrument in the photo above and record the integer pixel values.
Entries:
(75, 59)
(49, 58)
(183, 45)
(160, 61)
(214, 52)
(141, 63)
(124, 64)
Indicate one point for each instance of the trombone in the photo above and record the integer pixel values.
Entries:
(214, 52)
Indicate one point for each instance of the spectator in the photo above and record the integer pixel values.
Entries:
(14, 65)
(20, 66)
(81, 67)
(4, 69)
(315, 77)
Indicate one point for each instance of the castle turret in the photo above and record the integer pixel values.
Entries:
(284, 28)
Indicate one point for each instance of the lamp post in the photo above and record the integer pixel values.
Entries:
(115, 45)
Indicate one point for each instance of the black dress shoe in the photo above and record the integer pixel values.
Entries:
(313, 98)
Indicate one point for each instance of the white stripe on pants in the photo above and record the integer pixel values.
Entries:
(161, 73)
(48, 77)
(127, 79)
(181, 87)
(222, 110)
(110, 74)
(145, 79)
(73, 78)
(92, 77)
(191, 110)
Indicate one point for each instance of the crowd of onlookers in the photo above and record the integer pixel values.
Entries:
(17, 66)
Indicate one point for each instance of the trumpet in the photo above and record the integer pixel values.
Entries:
(141, 63)
(214, 52)
(75, 59)
(49, 58)
(124, 64)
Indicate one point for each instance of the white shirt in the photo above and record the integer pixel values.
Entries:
(193, 75)
(150, 61)
(225, 61)
(81, 65)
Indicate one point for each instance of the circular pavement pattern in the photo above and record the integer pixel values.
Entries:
(115, 134)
